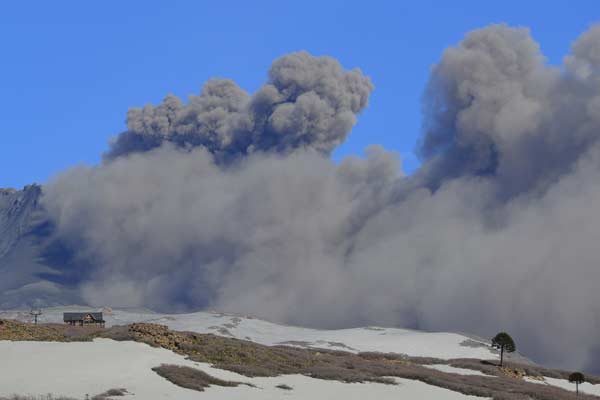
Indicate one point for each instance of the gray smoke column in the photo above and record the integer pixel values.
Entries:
(231, 202)
(494, 108)
(307, 102)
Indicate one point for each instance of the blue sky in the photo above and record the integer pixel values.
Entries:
(69, 70)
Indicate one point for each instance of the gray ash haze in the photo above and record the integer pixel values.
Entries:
(230, 201)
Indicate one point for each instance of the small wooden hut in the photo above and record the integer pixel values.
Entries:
(84, 318)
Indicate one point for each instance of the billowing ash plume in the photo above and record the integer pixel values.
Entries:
(308, 102)
(495, 108)
(230, 201)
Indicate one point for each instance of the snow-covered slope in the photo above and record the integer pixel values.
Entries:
(77, 369)
(390, 340)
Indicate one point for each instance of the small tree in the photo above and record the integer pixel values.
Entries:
(576, 378)
(504, 342)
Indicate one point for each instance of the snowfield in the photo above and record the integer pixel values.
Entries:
(388, 340)
(79, 368)
(76, 369)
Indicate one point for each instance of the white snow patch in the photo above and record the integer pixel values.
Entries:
(454, 370)
(76, 369)
(79, 368)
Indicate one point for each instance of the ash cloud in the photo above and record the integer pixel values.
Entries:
(495, 108)
(231, 202)
(308, 102)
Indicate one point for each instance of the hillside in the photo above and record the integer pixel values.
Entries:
(402, 341)
(228, 356)
(33, 269)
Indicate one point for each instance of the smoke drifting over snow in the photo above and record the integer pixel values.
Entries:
(231, 202)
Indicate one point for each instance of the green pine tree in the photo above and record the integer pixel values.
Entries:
(576, 378)
(504, 342)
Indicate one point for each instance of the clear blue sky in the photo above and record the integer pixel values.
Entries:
(70, 69)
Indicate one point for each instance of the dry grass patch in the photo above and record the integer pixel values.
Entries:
(103, 396)
(19, 331)
(191, 378)
(110, 393)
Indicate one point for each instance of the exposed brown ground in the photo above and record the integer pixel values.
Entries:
(14, 330)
